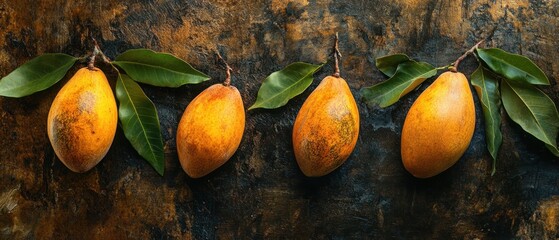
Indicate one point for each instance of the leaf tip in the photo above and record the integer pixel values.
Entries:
(254, 106)
(160, 170)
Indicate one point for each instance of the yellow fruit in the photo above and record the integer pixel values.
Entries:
(210, 130)
(82, 120)
(326, 129)
(439, 126)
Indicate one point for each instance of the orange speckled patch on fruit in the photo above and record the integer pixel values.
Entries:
(66, 139)
(320, 146)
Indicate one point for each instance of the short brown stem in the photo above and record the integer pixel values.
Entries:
(228, 70)
(337, 55)
(91, 64)
(454, 66)
(96, 52)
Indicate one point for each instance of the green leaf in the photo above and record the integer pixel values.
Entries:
(512, 66)
(407, 77)
(38, 74)
(389, 63)
(533, 110)
(285, 84)
(158, 69)
(140, 122)
(487, 88)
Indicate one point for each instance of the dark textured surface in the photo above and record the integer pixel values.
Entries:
(260, 192)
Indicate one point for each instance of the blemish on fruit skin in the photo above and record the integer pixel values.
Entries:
(62, 133)
(86, 102)
(65, 142)
(346, 127)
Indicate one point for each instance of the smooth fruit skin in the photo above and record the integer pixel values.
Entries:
(439, 126)
(326, 129)
(210, 130)
(82, 120)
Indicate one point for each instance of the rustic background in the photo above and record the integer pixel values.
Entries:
(260, 192)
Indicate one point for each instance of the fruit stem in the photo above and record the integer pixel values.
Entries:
(337, 55)
(97, 52)
(227, 81)
(454, 66)
(91, 64)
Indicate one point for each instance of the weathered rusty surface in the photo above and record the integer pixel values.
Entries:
(260, 192)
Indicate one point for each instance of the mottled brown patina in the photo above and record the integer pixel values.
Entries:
(260, 193)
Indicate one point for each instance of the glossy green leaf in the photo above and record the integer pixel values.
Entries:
(512, 66)
(140, 122)
(407, 77)
(38, 74)
(280, 86)
(487, 88)
(533, 110)
(389, 63)
(158, 69)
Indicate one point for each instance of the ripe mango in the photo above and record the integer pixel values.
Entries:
(439, 126)
(326, 128)
(82, 120)
(210, 130)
